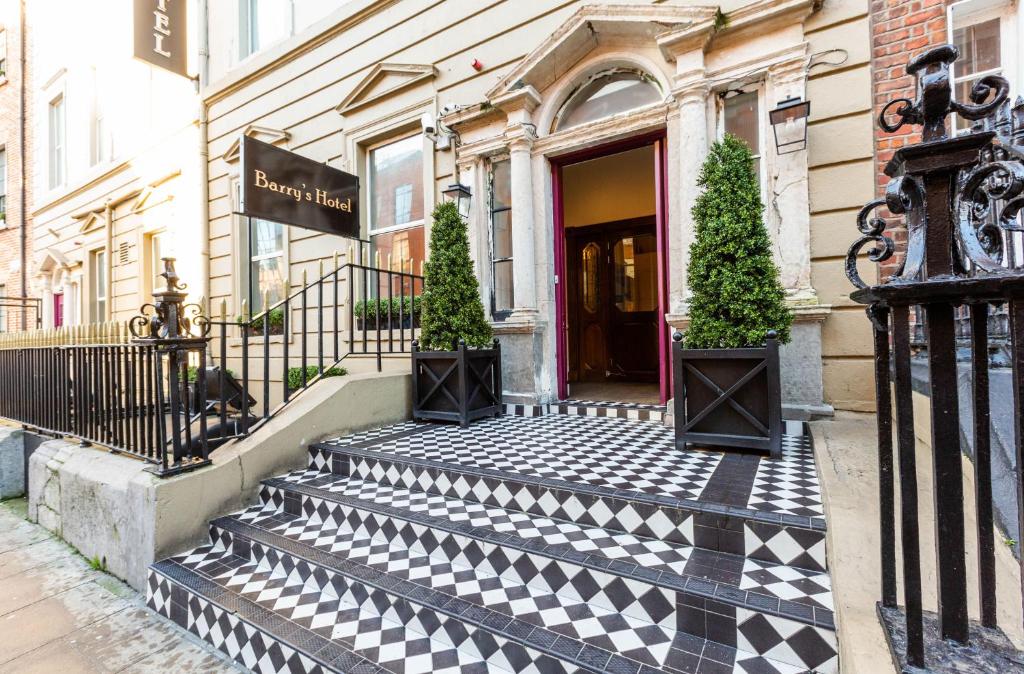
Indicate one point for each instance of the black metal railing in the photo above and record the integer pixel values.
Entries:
(132, 397)
(352, 310)
(960, 197)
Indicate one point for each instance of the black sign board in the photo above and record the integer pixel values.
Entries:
(284, 187)
(161, 33)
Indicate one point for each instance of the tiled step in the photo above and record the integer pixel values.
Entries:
(710, 595)
(555, 635)
(774, 537)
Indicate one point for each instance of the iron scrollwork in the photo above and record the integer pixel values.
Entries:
(170, 317)
(871, 232)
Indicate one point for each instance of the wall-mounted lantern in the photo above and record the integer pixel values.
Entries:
(461, 195)
(789, 123)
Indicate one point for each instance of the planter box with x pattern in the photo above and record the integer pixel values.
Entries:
(728, 397)
(461, 385)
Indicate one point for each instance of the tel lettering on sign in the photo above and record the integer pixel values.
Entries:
(161, 31)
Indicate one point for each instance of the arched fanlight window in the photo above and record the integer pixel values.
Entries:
(607, 93)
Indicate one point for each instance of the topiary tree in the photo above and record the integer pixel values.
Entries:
(452, 309)
(737, 297)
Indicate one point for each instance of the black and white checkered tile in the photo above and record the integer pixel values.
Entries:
(789, 484)
(558, 542)
(609, 408)
(594, 451)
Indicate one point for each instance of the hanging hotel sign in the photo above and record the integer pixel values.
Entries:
(284, 187)
(160, 34)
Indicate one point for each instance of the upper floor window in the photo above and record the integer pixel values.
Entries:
(3, 187)
(57, 142)
(98, 272)
(395, 191)
(500, 195)
(3, 53)
(741, 116)
(605, 94)
(262, 23)
(984, 36)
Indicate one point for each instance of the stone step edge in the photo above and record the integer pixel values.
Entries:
(625, 411)
(586, 656)
(778, 519)
(700, 587)
(329, 654)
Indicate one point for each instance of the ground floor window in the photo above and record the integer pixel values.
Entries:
(396, 218)
(741, 116)
(268, 271)
(500, 196)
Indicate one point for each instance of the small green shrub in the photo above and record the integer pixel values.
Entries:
(737, 297)
(295, 374)
(193, 370)
(452, 309)
(404, 306)
(276, 317)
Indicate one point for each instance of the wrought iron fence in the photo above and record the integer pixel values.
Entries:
(20, 313)
(130, 396)
(961, 197)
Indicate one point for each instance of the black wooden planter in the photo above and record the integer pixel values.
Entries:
(728, 397)
(461, 385)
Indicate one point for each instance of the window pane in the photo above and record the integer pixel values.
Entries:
(267, 237)
(636, 273)
(503, 286)
(56, 137)
(402, 246)
(607, 95)
(741, 119)
(264, 22)
(396, 183)
(588, 277)
(979, 47)
(502, 241)
(501, 184)
(268, 276)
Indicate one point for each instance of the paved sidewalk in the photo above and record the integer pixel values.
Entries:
(59, 615)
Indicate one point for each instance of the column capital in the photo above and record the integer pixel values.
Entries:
(693, 89)
(691, 37)
(520, 137)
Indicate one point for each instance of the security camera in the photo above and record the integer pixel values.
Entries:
(428, 124)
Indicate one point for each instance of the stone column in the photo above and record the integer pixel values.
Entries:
(787, 206)
(692, 128)
(523, 243)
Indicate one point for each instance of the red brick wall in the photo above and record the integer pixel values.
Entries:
(900, 29)
(10, 140)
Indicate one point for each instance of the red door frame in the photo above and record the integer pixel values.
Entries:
(657, 139)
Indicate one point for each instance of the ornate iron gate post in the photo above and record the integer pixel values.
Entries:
(171, 330)
(959, 195)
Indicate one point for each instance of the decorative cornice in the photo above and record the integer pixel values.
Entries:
(762, 11)
(524, 98)
(264, 133)
(363, 93)
(696, 36)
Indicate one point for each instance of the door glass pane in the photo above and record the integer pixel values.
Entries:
(396, 183)
(588, 277)
(636, 272)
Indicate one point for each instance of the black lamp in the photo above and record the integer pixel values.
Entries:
(461, 195)
(791, 114)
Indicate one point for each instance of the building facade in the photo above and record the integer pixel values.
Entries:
(118, 173)
(18, 308)
(574, 125)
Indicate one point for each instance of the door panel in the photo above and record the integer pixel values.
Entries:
(613, 302)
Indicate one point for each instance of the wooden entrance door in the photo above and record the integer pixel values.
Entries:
(613, 302)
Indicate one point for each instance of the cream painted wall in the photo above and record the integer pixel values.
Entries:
(616, 187)
(295, 87)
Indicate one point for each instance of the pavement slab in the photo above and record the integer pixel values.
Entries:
(58, 614)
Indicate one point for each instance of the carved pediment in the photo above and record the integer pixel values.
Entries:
(90, 221)
(266, 134)
(591, 25)
(383, 80)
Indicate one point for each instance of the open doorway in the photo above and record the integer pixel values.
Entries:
(613, 290)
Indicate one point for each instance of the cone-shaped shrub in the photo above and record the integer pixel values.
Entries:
(452, 309)
(737, 297)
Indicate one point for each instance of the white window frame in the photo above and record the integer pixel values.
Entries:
(972, 12)
(763, 129)
(242, 232)
(245, 29)
(56, 176)
(496, 314)
(370, 228)
(96, 265)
